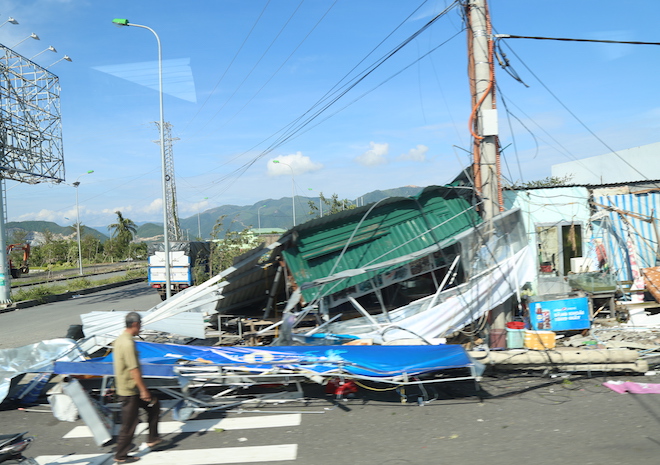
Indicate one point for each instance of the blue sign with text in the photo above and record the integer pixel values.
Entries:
(560, 315)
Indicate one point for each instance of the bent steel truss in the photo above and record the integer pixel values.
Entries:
(30, 121)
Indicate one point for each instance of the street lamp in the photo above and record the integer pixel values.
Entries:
(199, 224)
(49, 49)
(293, 190)
(166, 238)
(259, 215)
(31, 36)
(76, 184)
(10, 20)
(65, 57)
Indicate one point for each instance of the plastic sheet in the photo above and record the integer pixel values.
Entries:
(34, 358)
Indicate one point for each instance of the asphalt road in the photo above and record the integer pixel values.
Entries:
(50, 321)
(522, 420)
(510, 420)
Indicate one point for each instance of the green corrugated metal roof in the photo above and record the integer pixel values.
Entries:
(397, 226)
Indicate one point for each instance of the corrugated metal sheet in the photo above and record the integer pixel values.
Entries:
(249, 284)
(189, 324)
(374, 233)
(616, 230)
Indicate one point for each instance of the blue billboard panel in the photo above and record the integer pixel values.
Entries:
(560, 315)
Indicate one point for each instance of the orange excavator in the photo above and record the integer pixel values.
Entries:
(16, 272)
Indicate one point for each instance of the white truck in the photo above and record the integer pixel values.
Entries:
(184, 255)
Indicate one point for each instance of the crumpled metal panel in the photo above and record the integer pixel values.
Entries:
(249, 280)
(188, 324)
(34, 358)
(367, 235)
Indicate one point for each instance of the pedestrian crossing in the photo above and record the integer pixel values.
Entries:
(193, 426)
(212, 456)
(206, 456)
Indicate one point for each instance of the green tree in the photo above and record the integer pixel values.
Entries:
(19, 236)
(331, 205)
(111, 250)
(54, 250)
(550, 181)
(122, 232)
(91, 247)
(228, 244)
(137, 250)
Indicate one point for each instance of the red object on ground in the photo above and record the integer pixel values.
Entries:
(515, 325)
(338, 387)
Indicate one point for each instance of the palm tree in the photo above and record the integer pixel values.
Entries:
(123, 230)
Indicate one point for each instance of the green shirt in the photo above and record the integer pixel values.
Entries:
(125, 358)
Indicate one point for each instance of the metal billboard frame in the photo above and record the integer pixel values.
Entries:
(30, 135)
(30, 121)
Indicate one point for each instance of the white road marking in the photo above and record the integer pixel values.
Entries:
(192, 426)
(214, 456)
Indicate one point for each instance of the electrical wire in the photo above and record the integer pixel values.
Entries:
(249, 34)
(643, 176)
(253, 67)
(510, 36)
(280, 67)
(296, 130)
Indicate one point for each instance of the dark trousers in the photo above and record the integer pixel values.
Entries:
(130, 407)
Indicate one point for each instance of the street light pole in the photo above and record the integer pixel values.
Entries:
(166, 238)
(76, 184)
(293, 190)
(199, 224)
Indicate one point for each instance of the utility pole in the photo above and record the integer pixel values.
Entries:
(483, 117)
(484, 128)
(172, 225)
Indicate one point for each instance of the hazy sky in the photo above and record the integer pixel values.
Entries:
(249, 82)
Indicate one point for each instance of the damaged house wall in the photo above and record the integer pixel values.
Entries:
(618, 225)
(558, 229)
(626, 220)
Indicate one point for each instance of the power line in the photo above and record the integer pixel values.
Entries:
(293, 129)
(254, 67)
(509, 36)
(576, 117)
(249, 34)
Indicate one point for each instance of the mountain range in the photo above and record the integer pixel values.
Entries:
(265, 214)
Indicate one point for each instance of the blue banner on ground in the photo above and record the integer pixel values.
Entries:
(370, 361)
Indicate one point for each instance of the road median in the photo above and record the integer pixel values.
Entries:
(68, 295)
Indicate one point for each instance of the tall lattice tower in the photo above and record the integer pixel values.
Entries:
(173, 228)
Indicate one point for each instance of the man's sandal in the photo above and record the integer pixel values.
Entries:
(129, 459)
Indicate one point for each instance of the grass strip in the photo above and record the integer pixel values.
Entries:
(39, 293)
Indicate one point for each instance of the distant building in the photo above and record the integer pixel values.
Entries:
(268, 235)
(629, 165)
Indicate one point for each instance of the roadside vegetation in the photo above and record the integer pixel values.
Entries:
(40, 292)
(329, 205)
(56, 253)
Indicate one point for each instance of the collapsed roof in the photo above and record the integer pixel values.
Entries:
(380, 236)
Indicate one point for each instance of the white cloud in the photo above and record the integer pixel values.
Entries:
(123, 210)
(155, 206)
(193, 208)
(299, 163)
(416, 154)
(43, 215)
(376, 155)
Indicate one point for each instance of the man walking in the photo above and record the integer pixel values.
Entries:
(132, 391)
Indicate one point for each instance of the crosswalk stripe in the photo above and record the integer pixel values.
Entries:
(215, 456)
(193, 426)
